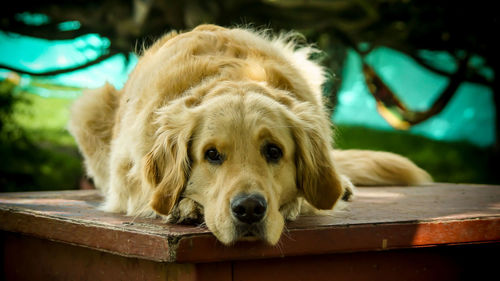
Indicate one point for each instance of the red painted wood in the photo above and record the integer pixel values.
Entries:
(438, 263)
(29, 258)
(372, 237)
(216, 271)
(379, 218)
(125, 243)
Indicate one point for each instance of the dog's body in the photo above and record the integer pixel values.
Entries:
(225, 125)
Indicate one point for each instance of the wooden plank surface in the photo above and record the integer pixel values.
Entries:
(29, 258)
(379, 218)
(464, 262)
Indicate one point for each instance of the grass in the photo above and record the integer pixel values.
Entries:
(457, 162)
(45, 119)
(37, 151)
(47, 158)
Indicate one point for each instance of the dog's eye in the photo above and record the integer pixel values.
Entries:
(213, 156)
(272, 153)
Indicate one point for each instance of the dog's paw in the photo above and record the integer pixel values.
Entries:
(186, 211)
(349, 189)
(291, 210)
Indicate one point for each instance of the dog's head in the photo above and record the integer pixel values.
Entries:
(242, 152)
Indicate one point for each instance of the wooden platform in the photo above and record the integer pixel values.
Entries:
(438, 232)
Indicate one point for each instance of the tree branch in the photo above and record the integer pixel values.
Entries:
(48, 31)
(54, 72)
(469, 76)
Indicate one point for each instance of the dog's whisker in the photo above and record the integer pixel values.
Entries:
(286, 233)
(279, 246)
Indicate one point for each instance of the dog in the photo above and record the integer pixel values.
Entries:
(225, 126)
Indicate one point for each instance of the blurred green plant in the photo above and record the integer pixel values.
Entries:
(35, 156)
(456, 162)
(9, 130)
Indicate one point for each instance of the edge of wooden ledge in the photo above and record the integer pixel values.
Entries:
(346, 239)
(205, 248)
(88, 235)
(182, 245)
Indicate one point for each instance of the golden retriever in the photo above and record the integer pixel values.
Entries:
(225, 126)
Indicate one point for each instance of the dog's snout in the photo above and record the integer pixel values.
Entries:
(249, 208)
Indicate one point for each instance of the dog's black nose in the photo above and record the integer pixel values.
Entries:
(249, 208)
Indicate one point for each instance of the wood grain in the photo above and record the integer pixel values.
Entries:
(380, 218)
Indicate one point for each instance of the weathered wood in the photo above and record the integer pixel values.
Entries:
(427, 264)
(380, 218)
(29, 258)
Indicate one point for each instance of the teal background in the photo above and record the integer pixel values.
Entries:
(468, 117)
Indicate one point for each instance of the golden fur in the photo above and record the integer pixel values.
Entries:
(252, 100)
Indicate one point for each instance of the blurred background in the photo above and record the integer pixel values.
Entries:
(413, 77)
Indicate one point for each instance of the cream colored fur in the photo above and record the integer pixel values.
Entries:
(237, 91)
(364, 167)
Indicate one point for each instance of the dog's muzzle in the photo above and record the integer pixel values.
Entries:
(248, 211)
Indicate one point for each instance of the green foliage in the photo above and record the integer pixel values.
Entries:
(9, 130)
(36, 153)
(45, 119)
(456, 162)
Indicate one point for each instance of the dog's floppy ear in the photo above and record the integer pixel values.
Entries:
(316, 174)
(166, 166)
